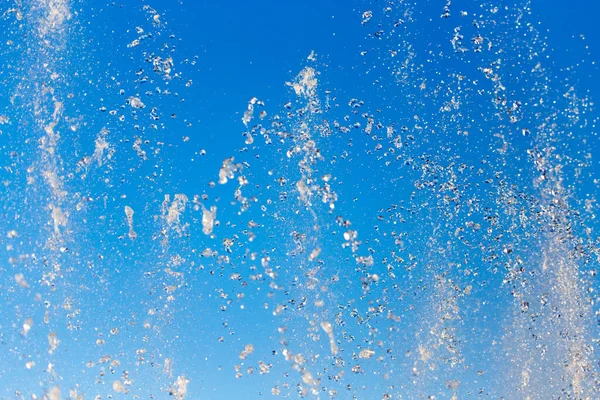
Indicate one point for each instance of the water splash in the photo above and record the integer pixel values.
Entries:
(426, 240)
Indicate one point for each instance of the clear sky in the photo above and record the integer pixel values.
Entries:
(320, 199)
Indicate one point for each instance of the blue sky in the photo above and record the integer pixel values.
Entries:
(414, 215)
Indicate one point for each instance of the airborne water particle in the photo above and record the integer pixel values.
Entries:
(54, 394)
(129, 214)
(248, 349)
(119, 387)
(366, 17)
(366, 353)
(135, 102)
(20, 280)
(208, 219)
(27, 326)
(179, 390)
(53, 342)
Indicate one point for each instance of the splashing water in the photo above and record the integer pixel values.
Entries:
(408, 213)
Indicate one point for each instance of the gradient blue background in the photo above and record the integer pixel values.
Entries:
(243, 50)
